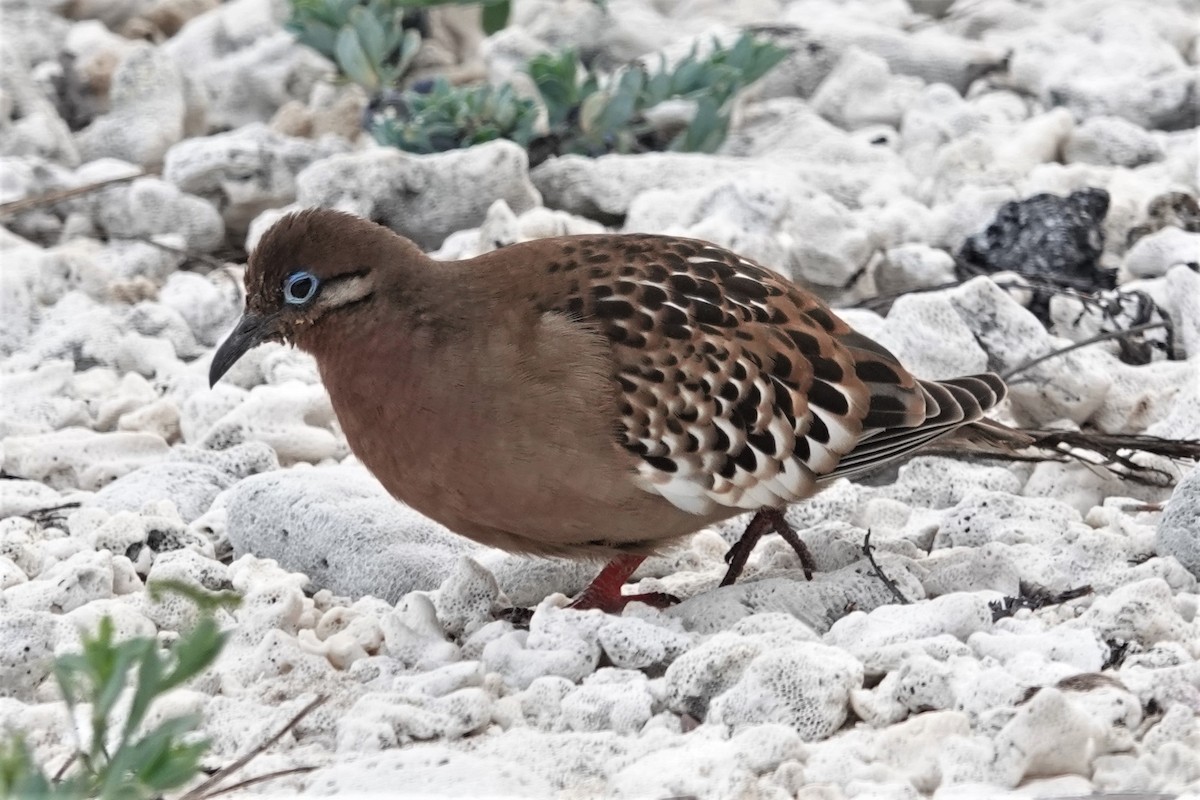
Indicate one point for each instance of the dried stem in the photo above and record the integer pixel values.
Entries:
(206, 788)
(879, 573)
(1118, 449)
(58, 776)
(191, 255)
(1027, 282)
(1113, 452)
(270, 776)
(881, 300)
(50, 198)
(1100, 337)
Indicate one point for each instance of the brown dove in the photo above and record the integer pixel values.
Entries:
(597, 396)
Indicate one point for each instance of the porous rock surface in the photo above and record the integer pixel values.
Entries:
(896, 136)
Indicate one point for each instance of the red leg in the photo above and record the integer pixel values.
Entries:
(604, 592)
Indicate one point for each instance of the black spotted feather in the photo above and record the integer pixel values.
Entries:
(738, 388)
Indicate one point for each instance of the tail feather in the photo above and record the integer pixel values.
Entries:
(949, 405)
(988, 387)
(954, 415)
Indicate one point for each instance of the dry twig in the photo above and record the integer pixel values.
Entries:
(191, 255)
(1100, 337)
(50, 198)
(269, 776)
(879, 573)
(209, 787)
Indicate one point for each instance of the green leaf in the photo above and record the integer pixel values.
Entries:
(370, 35)
(206, 601)
(68, 671)
(556, 78)
(658, 86)
(337, 11)
(160, 761)
(495, 16)
(688, 77)
(417, 141)
(706, 131)
(353, 61)
(111, 672)
(740, 54)
(195, 652)
(318, 36)
(622, 103)
(133, 763)
(109, 666)
(19, 775)
(311, 10)
(180, 764)
(448, 117)
(149, 686)
(410, 45)
(100, 675)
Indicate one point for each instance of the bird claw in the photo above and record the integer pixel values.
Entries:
(655, 599)
(610, 604)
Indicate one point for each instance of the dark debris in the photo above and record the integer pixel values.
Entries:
(1033, 597)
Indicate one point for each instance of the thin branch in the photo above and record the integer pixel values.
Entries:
(862, 270)
(191, 255)
(1107, 444)
(880, 300)
(1117, 450)
(1101, 337)
(1096, 450)
(50, 198)
(879, 573)
(1026, 282)
(204, 788)
(58, 776)
(270, 776)
(44, 514)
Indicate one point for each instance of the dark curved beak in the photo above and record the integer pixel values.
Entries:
(252, 330)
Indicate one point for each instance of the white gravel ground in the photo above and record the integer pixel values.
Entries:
(895, 131)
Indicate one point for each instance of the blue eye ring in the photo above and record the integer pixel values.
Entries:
(300, 287)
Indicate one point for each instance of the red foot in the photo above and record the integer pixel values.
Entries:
(604, 592)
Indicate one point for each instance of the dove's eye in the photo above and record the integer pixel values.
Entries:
(300, 287)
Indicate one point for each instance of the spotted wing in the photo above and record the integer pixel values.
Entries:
(738, 388)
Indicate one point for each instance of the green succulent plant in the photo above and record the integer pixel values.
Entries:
(374, 42)
(586, 113)
(370, 42)
(447, 118)
(495, 12)
(589, 117)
